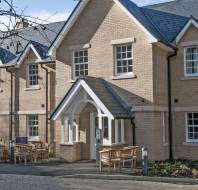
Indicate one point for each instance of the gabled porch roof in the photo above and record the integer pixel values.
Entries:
(103, 95)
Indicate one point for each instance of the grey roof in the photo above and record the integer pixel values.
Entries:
(40, 37)
(164, 21)
(107, 94)
(184, 8)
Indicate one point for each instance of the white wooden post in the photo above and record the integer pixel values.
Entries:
(110, 130)
(62, 130)
(100, 122)
(122, 131)
(116, 131)
(70, 141)
(77, 129)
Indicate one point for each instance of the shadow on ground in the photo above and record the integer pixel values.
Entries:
(59, 168)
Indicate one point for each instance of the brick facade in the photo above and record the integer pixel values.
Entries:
(147, 92)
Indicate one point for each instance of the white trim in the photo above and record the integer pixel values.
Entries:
(4, 112)
(70, 128)
(23, 56)
(77, 13)
(186, 124)
(31, 112)
(82, 83)
(183, 31)
(124, 76)
(116, 131)
(185, 73)
(110, 131)
(62, 130)
(122, 131)
(152, 39)
(74, 77)
(68, 26)
(122, 41)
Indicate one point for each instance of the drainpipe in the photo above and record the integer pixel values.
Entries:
(46, 106)
(11, 104)
(133, 131)
(170, 103)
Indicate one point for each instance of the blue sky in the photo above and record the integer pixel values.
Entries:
(55, 10)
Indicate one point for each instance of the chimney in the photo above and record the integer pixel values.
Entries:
(22, 24)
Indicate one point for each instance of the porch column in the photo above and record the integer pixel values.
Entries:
(70, 128)
(110, 130)
(116, 131)
(99, 121)
(122, 131)
(77, 129)
(62, 130)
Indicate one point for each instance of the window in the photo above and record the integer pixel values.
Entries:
(33, 125)
(124, 59)
(191, 61)
(192, 127)
(105, 128)
(80, 63)
(33, 75)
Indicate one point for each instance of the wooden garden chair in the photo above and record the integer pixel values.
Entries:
(110, 158)
(129, 154)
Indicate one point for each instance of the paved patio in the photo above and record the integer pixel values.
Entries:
(58, 168)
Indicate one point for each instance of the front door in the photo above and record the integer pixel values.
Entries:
(93, 127)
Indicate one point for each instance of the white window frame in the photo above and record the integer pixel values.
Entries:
(115, 60)
(185, 61)
(187, 126)
(28, 76)
(34, 125)
(74, 64)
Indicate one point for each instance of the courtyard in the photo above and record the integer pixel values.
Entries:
(63, 176)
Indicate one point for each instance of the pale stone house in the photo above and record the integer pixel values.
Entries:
(131, 72)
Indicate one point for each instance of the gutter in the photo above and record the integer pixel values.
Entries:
(170, 103)
(46, 104)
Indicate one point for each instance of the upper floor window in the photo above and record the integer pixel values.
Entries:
(33, 125)
(80, 63)
(192, 127)
(124, 59)
(33, 75)
(191, 61)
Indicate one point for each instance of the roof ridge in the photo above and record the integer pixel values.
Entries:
(118, 98)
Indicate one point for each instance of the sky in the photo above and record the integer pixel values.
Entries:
(52, 10)
(55, 10)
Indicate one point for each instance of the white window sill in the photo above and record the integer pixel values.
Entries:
(119, 143)
(190, 78)
(127, 76)
(190, 143)
(32, 88)
(69, 144)
(34, 139)
(165, 144)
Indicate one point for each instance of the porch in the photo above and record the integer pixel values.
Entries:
(92, 115)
